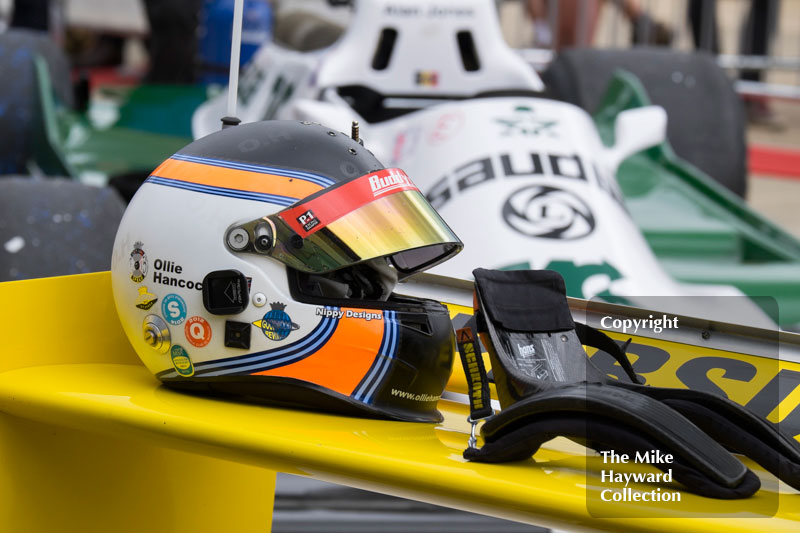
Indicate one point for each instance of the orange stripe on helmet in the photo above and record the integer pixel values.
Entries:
(342, 362)
(231, 178)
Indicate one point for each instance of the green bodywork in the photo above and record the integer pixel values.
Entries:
(137, 130)
(700, 232)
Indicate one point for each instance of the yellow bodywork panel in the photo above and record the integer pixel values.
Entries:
(57, 479)
(87, 431)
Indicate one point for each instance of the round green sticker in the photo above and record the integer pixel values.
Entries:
(180, 360)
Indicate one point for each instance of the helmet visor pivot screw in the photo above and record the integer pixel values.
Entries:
(238, 239)
(263, 237)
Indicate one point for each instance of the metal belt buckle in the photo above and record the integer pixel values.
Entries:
(473, 440)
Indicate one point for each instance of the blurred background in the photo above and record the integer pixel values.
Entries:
(120, 43)
(741, 33)
(164, 58)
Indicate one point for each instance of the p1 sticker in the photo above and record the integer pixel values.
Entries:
(174, 309)
(181, 361)
(145, 300)
(197, 331)
(308, 220)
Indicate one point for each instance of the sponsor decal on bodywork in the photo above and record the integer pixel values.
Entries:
(426, 10)
(405, 144)
(427, 78)
(592, 280)
(533, 165)
(548, 213)
(525, 121)
(446, 127)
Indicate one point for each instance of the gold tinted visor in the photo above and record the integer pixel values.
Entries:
(378, 215)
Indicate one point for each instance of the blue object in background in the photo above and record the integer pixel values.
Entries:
(215, 34)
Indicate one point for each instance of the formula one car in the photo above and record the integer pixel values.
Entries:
(527, 181)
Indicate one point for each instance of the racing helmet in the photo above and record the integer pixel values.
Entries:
(261, 261)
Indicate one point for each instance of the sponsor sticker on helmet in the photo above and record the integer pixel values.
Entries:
(138, 262)
(168, 272)
(276, 324)
(181, 361)
(197, 331)
(350, 196)
(336, 313)
(393, 180)
(173, 307)
(145, 300)
(308, 220)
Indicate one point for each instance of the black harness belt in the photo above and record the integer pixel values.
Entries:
(548, 387)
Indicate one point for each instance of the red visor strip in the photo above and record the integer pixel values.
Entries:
(315, 214)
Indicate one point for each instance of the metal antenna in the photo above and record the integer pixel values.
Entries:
(354, 131)
(233, 79)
